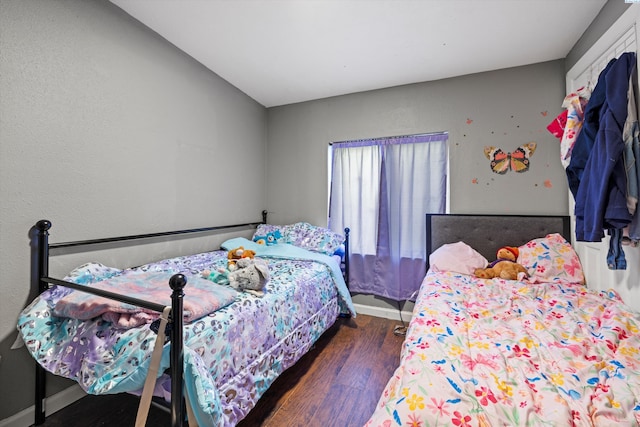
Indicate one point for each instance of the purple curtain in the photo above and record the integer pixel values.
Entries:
(381, 189)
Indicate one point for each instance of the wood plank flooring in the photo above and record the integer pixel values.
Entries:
(336, 384)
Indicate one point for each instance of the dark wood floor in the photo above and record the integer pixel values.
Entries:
(336, 384)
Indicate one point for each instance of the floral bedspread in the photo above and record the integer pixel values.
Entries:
(506, 353)
(231, 356)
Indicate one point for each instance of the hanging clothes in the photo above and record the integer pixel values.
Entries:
(590, 125)
(575, 104)
(558, 125)
(601, 197)
(631, 156)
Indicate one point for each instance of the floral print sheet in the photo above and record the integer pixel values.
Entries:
(495, 352)
(231, 356)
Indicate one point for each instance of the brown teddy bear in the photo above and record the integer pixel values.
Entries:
(236, 254)
(504, 267)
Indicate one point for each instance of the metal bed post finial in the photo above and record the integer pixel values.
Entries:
(264, 216)
(177, 284)
(41, 270)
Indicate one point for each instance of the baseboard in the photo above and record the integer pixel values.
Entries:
(387, 313)
(53, 404)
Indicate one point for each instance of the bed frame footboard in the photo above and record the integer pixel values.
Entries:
(177, 283)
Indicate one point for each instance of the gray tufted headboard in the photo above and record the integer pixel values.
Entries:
(487, 233)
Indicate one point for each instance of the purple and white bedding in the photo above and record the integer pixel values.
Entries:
(232, 355)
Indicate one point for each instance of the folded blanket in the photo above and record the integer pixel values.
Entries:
(201, 298)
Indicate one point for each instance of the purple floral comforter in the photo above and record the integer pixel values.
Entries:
(231, 355)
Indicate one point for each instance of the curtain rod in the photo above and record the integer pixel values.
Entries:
(391, 137)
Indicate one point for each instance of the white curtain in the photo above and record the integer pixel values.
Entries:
(381, 189)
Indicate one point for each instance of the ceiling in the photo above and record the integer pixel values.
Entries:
(286, 51)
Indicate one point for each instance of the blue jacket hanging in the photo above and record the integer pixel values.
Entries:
(586, 138)
(601, 196)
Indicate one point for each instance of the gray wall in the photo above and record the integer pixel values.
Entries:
(504, 108)
(609, 14)
(106, 129)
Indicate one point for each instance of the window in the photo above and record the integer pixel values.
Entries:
(381, 189)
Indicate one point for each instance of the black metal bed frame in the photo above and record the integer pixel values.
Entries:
(177, 282)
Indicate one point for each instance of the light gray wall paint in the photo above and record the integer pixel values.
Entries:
(610, 12)
(106, 129)
(504, 108)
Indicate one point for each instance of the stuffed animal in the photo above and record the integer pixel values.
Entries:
(219, 276)
(504, 267)
(269, 239)
(251, 275)
(238, 253)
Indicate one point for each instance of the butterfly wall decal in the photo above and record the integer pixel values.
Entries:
(517, 160)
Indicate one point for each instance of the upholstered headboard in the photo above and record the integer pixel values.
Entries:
(487, 233)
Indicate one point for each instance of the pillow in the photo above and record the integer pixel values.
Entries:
(301, 234)
(551, 258)
(313, 238)
(457, 257)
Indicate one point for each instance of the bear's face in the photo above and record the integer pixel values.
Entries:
(505, 254)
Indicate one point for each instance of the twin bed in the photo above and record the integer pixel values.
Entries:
(231, 346)
(542, 351)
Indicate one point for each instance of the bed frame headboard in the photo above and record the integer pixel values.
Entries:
(488, 233)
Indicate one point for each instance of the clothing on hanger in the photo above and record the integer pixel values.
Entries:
(585, 140)
(601, 196)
